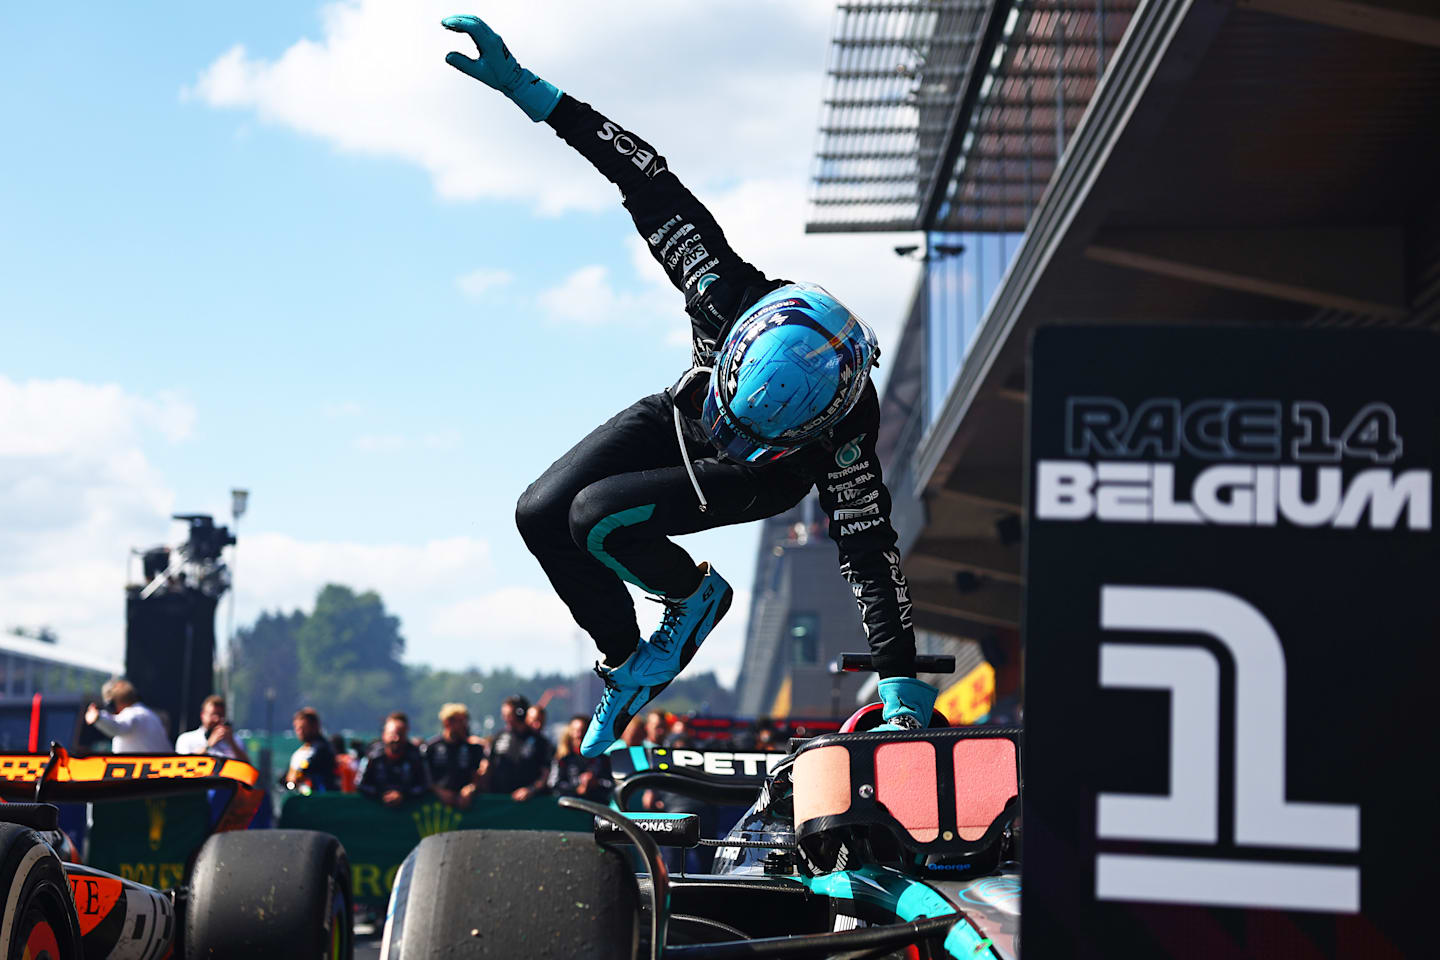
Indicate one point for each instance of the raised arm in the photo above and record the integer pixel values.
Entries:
(119, 724)
(680, 232)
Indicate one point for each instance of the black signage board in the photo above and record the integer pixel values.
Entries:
(1231, 623)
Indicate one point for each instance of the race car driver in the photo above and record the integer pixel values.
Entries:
(778, 400)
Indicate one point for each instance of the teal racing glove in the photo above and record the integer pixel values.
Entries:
(497, 68)
(908, 703)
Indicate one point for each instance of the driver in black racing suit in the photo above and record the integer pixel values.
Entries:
(792, 407)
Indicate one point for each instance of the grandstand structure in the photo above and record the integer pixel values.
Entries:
(950, 115)
(30, 666)
(1073, 161)
(802, 617)
(44, 688)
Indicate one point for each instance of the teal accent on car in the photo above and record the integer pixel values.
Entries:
(639, 758)
(834, 885)
(904, 897)
(595, 540)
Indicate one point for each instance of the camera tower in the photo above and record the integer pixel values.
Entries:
(170, 622)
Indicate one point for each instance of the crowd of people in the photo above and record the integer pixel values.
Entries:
(520, 761)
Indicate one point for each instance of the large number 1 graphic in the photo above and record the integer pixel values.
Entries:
(1263, 817)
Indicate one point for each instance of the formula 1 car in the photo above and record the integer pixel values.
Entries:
(855, 844)
(263, 893)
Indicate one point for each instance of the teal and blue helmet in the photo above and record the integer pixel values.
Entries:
(789, 370)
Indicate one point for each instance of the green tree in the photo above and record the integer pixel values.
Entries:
(347, 630)
(482, 691)
(264, 658)
(343, 659)
(702, 693)
(349, 651)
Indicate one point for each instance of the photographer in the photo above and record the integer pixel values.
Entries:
(133, 726)
(215, 735)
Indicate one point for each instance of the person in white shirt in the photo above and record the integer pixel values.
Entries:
(214, 736)
(133, 727)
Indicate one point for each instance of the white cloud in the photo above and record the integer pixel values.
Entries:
(729, 93)
(728, 90)
(48, 417)
(862, 270)
(764, 219)
(452, 612)
(418, 582)
(532, 630)
(77, 491)
(587, 297)
(477, 283)
(519, 627)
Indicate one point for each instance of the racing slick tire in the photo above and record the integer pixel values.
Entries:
(490, 894)
(39, 919)
(269, 894)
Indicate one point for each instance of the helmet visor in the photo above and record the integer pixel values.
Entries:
(734, 442)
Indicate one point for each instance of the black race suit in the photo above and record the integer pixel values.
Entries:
(604, 511)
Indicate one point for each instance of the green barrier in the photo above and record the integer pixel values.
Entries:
(148, 841)
(377, 838)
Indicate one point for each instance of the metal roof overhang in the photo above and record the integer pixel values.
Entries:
(1269, 161)
(947, 114)
(61, 656)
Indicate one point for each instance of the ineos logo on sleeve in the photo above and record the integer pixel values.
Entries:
(1189, 814)
(626, 146)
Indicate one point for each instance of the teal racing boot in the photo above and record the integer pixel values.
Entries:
(686, 623)
(630, 687)
(908, 703)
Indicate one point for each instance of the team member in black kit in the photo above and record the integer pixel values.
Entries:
(394, 771)
(778, 400)
(519, 761)
(454, 758)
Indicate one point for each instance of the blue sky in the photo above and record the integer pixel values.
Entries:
(284, 246)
